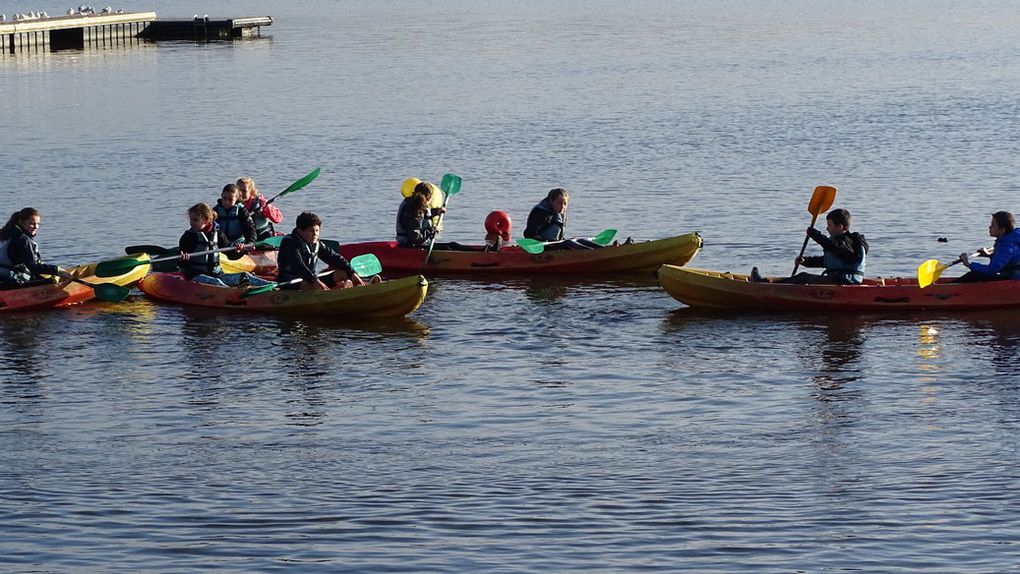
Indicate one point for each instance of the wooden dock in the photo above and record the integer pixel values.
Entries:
(82, 31)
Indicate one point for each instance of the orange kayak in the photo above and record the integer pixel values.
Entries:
(394, 298)
(57, 295)
(713, 290)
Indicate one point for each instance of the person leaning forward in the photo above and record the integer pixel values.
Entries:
(1005, 256)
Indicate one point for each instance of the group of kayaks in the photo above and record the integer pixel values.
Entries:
(394, 297)
(153, 270)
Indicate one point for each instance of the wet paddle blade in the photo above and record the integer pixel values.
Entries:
(450, 184)
(532, 246)
(273, 242)
(605, 237)
(110, 292)
(366, 265)
(821, 199)
(150, 249)
(106, 291)
(928, 272)
(301, 182)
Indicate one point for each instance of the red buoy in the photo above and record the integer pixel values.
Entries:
(498, 224)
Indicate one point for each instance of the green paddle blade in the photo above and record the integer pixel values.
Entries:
(450, 184)
(532, 246)
(366, 265)
(259, 290)
(605, 237)
(273, 241)
(301, 182)
(119, 266)
(150, 249)
(107, 291)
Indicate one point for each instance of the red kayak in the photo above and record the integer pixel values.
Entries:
(65, 294)
(632, 257)
(714, 290)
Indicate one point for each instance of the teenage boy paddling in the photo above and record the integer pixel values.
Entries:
(843, 257)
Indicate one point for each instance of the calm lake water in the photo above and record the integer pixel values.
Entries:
(526, 425)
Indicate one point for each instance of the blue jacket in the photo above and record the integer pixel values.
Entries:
(1006, 259)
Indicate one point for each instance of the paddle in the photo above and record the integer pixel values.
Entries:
(535, 246)
(106, 291)
(150, 249)
(115, 267)
(450, 186)
(273, 241)
(365, 265)
(930, 271)
(821, 200)
(297, 185)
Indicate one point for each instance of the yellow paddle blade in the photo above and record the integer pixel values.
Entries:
(928, 272)
(821, 199)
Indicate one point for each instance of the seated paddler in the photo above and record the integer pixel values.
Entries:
(20, 263)
(1005, 254)
(205, 235)
(301, 251)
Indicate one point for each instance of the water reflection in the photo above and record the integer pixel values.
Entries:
(839, 355)
(21, 337)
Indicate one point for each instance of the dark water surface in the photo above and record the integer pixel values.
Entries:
(528, 425)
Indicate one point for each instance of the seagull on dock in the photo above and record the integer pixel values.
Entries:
(3, 17)
(106, 10)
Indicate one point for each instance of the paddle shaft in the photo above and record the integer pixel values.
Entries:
(803, 248)
(432, 243)
(220, 250)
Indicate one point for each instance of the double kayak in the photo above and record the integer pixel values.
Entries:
(394, 298)
(714, 290)
(512, 259)
(66, 294)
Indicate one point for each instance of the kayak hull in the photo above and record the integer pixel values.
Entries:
(511, 259)
(56, 295)
(394, 298)
(714, 290)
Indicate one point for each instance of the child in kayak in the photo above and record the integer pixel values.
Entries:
(1005, 257)
(844, 254)
(205, 235)
(415, 227)
(20, 264)
(233, 219)
(548, 222)
(263, 213)
(301, 250)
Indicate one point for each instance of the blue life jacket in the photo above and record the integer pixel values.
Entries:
(846, 273)
(230, 221)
